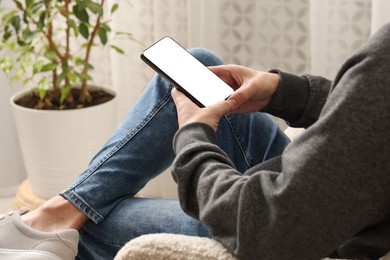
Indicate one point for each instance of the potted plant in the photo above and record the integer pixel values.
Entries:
(49, 45)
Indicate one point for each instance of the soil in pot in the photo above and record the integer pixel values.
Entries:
(52, 102)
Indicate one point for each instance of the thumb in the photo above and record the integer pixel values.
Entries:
(222, 107)
(238, 98)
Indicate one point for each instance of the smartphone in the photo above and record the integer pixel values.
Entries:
(185, 72)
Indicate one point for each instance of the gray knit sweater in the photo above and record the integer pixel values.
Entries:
(329, 192)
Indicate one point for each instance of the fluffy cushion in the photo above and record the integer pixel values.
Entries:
(171, 246)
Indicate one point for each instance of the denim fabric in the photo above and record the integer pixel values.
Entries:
(139, 150)
(134, 217)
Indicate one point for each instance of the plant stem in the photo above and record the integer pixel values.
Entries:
(50, 40)
(84, 94)
(49, 37)
(49, 33)
(69, 97)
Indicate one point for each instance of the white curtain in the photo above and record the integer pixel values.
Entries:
(297, 36)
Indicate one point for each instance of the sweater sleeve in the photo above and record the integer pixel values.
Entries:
(332, 185)
(299, 99)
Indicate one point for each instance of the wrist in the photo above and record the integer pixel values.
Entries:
(274, 82)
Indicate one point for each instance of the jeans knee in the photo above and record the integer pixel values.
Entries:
(206, 56)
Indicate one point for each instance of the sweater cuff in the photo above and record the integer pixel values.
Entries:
(191, 133)
(290, 98)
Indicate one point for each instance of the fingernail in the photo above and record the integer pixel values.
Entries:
(232, 103)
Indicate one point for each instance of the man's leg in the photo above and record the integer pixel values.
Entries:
(247, 139)
(141, 148)
(132, 218)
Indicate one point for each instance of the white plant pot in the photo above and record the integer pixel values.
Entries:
(58, 145)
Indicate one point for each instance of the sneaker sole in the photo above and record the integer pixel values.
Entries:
(10, 254)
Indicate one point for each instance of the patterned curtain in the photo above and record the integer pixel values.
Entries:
(297, 36)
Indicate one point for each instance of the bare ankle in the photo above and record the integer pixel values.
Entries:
(54, 215)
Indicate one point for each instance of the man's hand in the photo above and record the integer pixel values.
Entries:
(188, 112)
(253, 89)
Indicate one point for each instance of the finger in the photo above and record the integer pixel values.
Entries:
(217, 69)
(181, 100)
(177, 95)
(227, 74)
(238, 98)
(174, 93)
(221, 108)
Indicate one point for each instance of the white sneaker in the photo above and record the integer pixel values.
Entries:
(19, 241)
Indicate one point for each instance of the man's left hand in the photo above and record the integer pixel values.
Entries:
(188, 112)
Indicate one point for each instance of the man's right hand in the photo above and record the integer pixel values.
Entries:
(253, 89)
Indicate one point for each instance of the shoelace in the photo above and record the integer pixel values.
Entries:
(11, 213)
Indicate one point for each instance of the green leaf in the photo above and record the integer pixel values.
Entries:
(37, 66)
(65, 65)
(63, 11)
(102, 35)
(73, 76)
(81, 13)
(7, 18)
(7, 35)
(84, 76)
(44, 83)
(114, 8)
(64, 92)
(48, 67)
(41, 93)
(105, 27)
(29, 3)
(95, 8)
(29, 36)
(41, 22)
(20, 42)
(124, 33)
(81, 5)
(26, 81)
(84, 30)
(16, 23)
(25, 17)
(43, 86)
(6, 64)
(25, 60)
(51, 55)
(85, 64)
(117, 49)
(37, 6)
(11, 45)
(60, 78)
(73, 25)
(18, 5)
(19, 74)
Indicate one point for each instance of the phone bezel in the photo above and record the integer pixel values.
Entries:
(168, 78)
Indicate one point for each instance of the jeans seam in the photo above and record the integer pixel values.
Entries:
(74, 197)
(92, 168)
(126, 139)
(103, 242)
(236, 137)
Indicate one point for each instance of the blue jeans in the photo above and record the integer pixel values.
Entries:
(139, 150)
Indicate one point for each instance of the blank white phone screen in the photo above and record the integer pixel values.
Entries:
(187, 72)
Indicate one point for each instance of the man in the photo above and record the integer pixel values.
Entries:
(325, 194)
